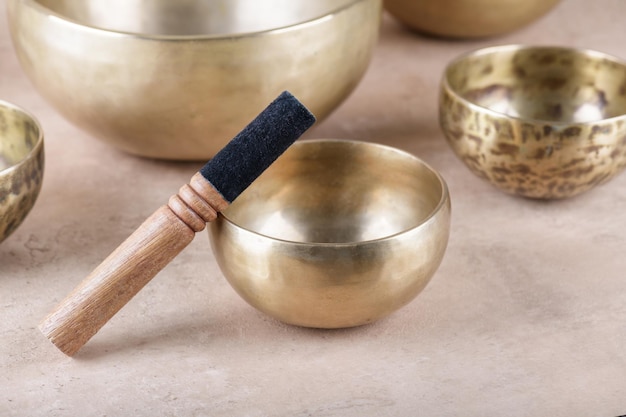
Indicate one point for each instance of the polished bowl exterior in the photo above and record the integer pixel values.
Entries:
(21, 166)
(468, 18)
(178, 87)
(539, 122)
(334, 234)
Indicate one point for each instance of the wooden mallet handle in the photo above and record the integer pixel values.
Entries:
(172, 227)
(132, 265)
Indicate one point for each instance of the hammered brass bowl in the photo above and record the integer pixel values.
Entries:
(539, 122)
(21, 166)
(334, 234)
(178, 79)
(468, 18)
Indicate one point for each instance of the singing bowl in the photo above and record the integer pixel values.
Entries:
(334, 234)
(535, 121)
(467, 18)
(21, 166)
(178, 79)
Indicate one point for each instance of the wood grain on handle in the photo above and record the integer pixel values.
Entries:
(132, 265)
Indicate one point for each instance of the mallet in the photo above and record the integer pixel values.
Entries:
(173, 226)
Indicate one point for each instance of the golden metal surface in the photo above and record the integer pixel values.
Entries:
(468, 18)
(178, 79)
(335, 233)
(21, 166)
(538, 122)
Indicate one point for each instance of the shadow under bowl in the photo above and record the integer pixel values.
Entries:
(21, 166)
(334, 234)
(535, 121)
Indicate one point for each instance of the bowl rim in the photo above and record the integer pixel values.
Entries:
(47, 12)
(445, 85)
(36, 147)
(444, 200)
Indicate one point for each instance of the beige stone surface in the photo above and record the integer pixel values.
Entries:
(525, 317)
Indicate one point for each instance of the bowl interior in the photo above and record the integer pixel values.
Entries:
(192, 17)
(542, 83)
(19, 134)
(338, 192)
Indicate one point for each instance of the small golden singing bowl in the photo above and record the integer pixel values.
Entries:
(467, 18)
(21, 166)
(176, 79)
(539, 122)
(334, 234)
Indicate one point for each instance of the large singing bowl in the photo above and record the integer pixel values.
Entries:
(178, 79)
(335, 234)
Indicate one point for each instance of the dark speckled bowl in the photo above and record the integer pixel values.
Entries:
(539, 122)
(21, 166)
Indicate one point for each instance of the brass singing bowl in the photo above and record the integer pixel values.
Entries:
(539, 122)
(21, 166)
(467, 18)
(334, 234)
(178, 79)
